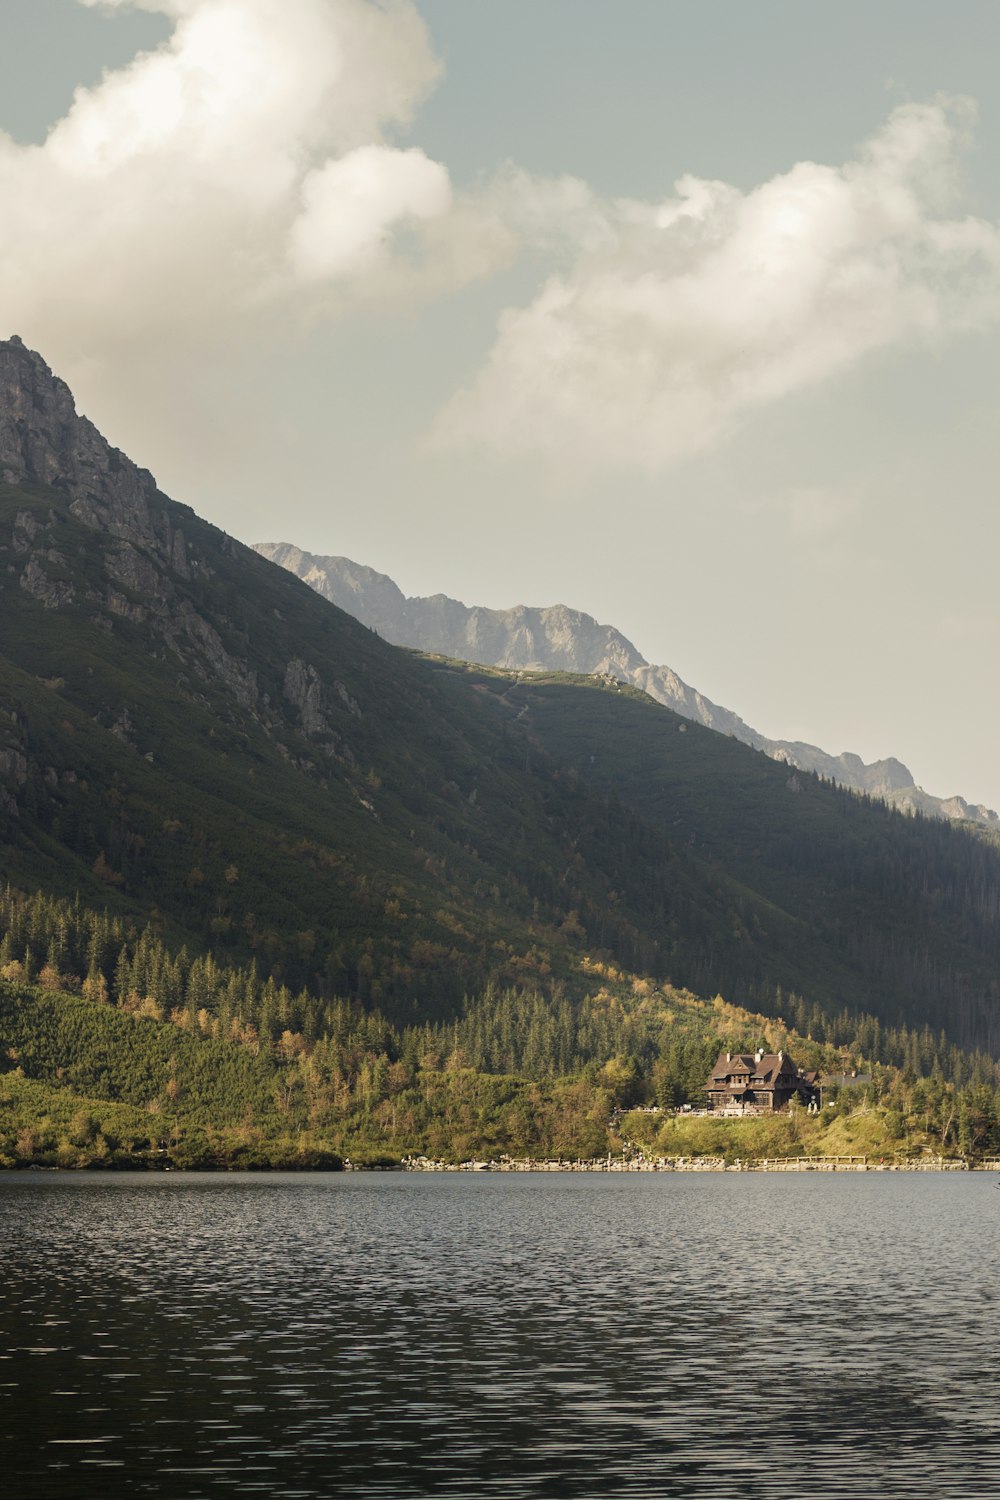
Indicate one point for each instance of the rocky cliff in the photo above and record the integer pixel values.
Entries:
(43, 441)
(84, 529)
(559, 639)
(143, 550)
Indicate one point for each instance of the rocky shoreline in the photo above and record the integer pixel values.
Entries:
(706, 1164)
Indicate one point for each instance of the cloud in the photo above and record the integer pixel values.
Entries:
(245, 168)
(676, 318)
(250, 176)
(349, 207)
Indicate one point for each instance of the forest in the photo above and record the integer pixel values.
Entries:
(122, 1052)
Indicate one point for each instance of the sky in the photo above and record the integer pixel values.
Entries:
(685, 313)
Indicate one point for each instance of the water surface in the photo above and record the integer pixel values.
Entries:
(744, 1337)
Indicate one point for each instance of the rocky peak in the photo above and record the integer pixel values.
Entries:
(370, 597)
(553, 638)
(43, 440)
(147, 558)
(558, 638)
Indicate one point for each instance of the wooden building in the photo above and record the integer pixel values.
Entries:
(752, 1083)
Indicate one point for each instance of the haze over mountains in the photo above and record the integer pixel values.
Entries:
(560, 639)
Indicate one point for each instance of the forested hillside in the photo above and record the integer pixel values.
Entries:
(834, 895)
(119, 1051)
(190, 737)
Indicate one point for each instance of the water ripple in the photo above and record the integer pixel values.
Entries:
(734, 1336)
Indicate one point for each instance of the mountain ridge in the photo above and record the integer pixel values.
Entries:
(560, 638)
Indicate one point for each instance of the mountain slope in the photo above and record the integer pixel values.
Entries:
(186, 727)
(191, 735)
(558, 639)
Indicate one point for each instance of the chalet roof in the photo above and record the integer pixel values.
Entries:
(728, 1063)
(770, 1066)
(847, 1080)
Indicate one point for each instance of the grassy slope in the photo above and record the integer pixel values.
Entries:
(91, 1085)
(865, 1132)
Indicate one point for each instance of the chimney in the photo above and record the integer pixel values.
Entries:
(729, 1057)
(758, 1054)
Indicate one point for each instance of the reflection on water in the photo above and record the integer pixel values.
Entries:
(735, 1336)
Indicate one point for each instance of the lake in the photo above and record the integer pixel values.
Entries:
(729, 1335)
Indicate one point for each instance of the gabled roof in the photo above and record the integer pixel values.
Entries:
(774, 1068)
(777, 1065)
(736, 1062)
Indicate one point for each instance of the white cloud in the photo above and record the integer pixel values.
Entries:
(350, 205)
(247, 176)
(240, 169)
(677, 317)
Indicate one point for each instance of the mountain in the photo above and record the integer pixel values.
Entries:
(559, 639)
(190, 731)
(193, 739)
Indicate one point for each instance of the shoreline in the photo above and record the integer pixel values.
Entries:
(701, 1164)
(604, 1164)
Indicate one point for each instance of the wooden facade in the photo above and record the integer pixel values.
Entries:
(745, 1083)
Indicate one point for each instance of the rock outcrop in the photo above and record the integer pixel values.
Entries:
(143, 551)
(559, 639)
(87, 531)
(44, 441)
